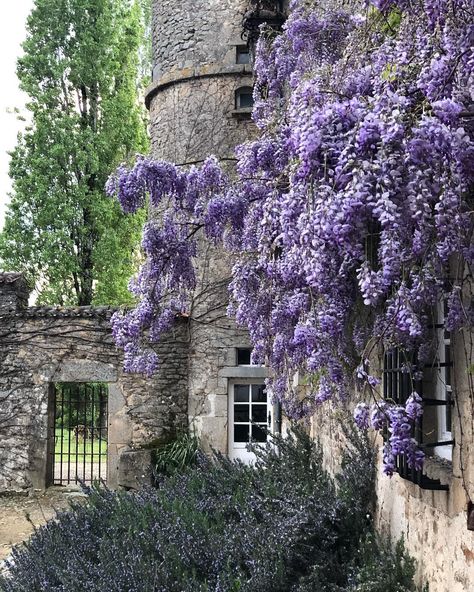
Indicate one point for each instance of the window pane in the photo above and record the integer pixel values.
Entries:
(245, 100)
(259, 413)
(258, 393)
(241, 393)
(243, 56)
(241, 413)
(241, 433)
(243, 356)
(258, 434)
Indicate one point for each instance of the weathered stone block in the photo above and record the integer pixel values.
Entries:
(135, 469)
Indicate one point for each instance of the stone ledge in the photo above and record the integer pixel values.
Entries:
(186, 74)
(67, 311)
(242, 113)
(243, 372)
(439, 469)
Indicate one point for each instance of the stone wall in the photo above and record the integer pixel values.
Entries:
(190, 34)
(194, 119)
(43, 345)
(433, 523)
(195, 75)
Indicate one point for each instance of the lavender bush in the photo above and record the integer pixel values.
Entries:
(281, 525)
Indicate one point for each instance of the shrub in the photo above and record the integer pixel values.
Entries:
(379, 568)
(280, 525)
(177, 454)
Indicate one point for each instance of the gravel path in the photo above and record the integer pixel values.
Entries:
(18, 514)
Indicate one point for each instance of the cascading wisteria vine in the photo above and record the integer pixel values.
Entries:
(344, 215)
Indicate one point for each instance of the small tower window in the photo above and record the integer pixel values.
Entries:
(244, 356)
(242, 54)
(244, 98)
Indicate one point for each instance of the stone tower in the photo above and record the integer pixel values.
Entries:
(199, 100)
(200, 103)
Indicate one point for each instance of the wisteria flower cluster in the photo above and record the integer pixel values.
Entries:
(398, 422)
(345, 215)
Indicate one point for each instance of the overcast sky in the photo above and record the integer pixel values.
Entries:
(12, 33)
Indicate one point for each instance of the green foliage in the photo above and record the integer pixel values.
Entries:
(379, 568)
(280, 525)
(80, 404)
(84, 447)
(79, 69)
(177, 454)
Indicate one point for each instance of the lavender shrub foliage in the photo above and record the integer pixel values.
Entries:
(220, 526)
(345, 212)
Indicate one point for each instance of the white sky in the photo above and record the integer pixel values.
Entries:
(12, 33)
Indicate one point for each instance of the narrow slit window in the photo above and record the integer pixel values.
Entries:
(244, 356)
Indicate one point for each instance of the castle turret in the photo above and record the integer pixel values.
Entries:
(200, 104)
(201, 96)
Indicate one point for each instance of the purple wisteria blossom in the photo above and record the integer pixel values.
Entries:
(345, 212)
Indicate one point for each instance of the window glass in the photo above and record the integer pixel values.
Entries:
(243, 356)
(258, 393)
(241, 393)
(244, 97)
(246, 100)
(259, 413)
(243, 55)
(241, 433)
(258, 434)
(241, 413)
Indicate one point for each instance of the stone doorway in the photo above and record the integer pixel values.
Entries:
(78, 433)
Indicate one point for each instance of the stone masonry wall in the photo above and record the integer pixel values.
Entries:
(43, 345)
(433, 523)
(194, 119)
(194, 33)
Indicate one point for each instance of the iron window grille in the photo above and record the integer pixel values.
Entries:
(270, 12)
(433, 431)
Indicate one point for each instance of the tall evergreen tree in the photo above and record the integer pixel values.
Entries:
(79, 69)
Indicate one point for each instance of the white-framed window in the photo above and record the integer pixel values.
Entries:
(251, 416)
(442, 383)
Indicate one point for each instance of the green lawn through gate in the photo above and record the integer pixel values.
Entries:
(88, 447)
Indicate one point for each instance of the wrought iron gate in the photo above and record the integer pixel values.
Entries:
(79, 433)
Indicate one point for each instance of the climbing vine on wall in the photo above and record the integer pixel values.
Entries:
(350, 216)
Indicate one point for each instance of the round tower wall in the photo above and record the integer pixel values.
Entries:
(195, 32)
(193, 110)
(193, 119)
